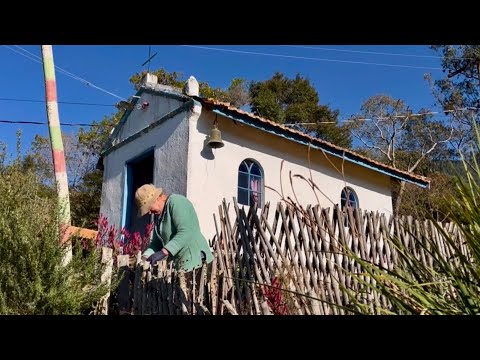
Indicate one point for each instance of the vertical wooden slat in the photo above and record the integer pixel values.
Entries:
(319, 263)
(143, 288)
(241, 262)
(336, 272)
(123, 289)
(220, 241)
(234, 253)
(249, 244)
(289, 246)
(270, 256)
(306, 265)
(248, 257)
(342, 243)
(106, 278)
(385, 229)
(149, 295)
(304, 222)
(332, 283)
(170, 287)
(214, 285)
(137, 295)
(226, 249)
(297, 250)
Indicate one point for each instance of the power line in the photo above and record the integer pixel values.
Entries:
(86, 82)
(294, 124)
(41, 62)
(311, 58)
(36, 58)
(353, 119)
(45, 123)
(363, 52)
(18, 52)
(60, 102)
(410, 115)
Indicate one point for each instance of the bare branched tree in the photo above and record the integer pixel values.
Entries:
(395, 135)
(78, 158)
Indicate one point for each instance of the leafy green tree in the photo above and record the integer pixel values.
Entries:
(295, 101)
(458, 92)
(460, 88)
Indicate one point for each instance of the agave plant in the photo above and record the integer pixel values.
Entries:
(447, 285)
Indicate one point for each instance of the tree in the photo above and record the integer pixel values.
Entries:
(460, 87)
(404, 141)
(85, 199)
(237, 93)
(85, 181)
(295, 101)
(433, 202)
(79, 158)
(459, 92)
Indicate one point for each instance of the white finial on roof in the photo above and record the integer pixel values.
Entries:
(149, 79)
(191, 87)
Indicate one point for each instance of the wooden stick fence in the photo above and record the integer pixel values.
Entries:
(300, 250)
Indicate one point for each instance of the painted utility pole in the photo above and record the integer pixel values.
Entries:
(58, 154)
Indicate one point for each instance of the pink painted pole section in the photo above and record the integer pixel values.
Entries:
(56, 136)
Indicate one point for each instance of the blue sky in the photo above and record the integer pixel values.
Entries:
(341, 81)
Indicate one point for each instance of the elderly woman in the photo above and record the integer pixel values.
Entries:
(176, 233)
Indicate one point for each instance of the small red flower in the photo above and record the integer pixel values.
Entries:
(122, 242)
(274, 298)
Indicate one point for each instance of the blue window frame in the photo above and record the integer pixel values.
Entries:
(349, 198)
(250, 183)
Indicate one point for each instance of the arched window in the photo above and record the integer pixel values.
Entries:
(250, 183)
(349, 198)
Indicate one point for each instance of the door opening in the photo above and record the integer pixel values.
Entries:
(139, 172)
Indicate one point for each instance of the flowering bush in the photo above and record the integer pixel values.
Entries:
(122, 242)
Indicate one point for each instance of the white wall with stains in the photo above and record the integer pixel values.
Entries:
(213, 174)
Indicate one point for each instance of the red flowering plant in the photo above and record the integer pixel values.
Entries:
(275, 299)
(122, 242)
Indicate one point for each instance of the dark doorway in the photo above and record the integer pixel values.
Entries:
(139, 172)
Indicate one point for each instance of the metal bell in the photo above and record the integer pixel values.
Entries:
(215, 140)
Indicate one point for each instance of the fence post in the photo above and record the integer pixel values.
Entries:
(106, 277)
(123, 292)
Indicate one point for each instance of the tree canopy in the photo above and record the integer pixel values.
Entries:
(295, 101)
